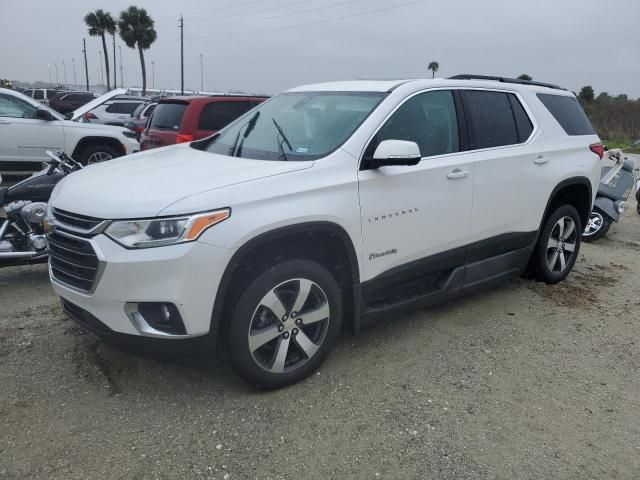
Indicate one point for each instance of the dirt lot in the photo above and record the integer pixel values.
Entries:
(524, 381)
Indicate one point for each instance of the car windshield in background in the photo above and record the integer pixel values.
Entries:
(168, 116)
(295, 126)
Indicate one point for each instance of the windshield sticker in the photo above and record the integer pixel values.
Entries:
(302, 150)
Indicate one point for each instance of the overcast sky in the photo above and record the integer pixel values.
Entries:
(266, 46)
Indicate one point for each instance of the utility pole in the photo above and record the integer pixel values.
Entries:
(153, 74)
(64, 69)
(55, 64)
(181, 55)
(75, 79)
(115, 75)
(86, 66)
(201, 75)
(49, 68)
(121, 75)
(101, 71)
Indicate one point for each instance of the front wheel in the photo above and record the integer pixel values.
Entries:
(558, 245)
(97, 154)
(598, 225)
(285, 324)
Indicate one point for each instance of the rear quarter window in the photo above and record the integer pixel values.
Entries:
(568, 113)
(168, 116)
(217, 115)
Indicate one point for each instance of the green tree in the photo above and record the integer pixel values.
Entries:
(136, 29)
(434, 67)
(99, 23)
(586, 94)
(526, 77)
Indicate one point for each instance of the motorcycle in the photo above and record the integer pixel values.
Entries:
(23, 208)
(616, 184)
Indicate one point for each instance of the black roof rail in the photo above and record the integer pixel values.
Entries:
(505, 80)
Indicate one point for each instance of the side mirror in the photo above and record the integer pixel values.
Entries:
(395, 152)
(45, 115)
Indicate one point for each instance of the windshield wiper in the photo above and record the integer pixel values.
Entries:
(284, 139)
(236, 149)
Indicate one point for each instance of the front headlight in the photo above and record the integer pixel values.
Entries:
(157, 232)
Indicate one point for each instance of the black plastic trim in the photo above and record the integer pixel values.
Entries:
(566, 183)
(505, 80)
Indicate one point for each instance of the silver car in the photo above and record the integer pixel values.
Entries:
(116, 111)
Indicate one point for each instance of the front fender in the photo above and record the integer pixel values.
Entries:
(607, 206)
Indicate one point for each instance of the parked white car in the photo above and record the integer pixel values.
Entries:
(28, 129)
(327, 206)
(116, 111)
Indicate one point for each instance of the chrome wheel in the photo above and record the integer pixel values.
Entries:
(289, 325)
(98, 157)
(594, 224)
(561, 245)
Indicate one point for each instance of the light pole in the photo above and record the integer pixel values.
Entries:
(121, 79)
(201, 75)
(55, 64)
(49, 68)
(64, 70)
(101, 74)
(153, 74)
(75, 80)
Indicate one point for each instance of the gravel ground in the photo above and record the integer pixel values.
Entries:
(523, 381)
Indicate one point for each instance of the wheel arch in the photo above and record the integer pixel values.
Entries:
(325, 242)
(576, 191)
(86, 142)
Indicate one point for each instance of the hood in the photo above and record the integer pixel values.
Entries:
(144, 184)
(87, 107)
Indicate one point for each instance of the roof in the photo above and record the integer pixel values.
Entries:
(203, 98)
(351, 86)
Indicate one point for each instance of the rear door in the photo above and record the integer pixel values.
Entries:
(25, 137)
(217, 115)
(164, 125)
(415, 219)
(511, 174)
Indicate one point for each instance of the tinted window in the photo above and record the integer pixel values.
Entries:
(168, 116)
(38, 94)
(124, 108)
(490, 117)
(149, 110)
(429, 119)
(15, 108)
(78, 97)
(51, 93)
(568, 112)
(523, 122)
(217, 115)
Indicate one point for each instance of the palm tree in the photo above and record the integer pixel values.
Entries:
(99, 23)
(136, 29)
(434, 67)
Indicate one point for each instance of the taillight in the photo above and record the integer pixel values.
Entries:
(597, 148)
(89, 116)
(182, 138)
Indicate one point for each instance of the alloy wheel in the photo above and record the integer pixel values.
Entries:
(289, 325)
(561, 245)
(98, 157)
(594, 224)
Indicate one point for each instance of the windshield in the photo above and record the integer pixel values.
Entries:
(295, 126)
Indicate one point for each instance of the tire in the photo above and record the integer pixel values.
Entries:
(597, 226)
(277, 357)
(545, 265)
(97, 154)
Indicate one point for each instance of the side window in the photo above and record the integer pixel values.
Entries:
(38, 95)
(492, 123)
(568, 113)
(51, 93)
(15, 108)
(149, 110)
(124, 108)
(217, 115)
(429, 119)
(523, 122)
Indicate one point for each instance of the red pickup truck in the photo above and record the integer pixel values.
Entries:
(184, 119)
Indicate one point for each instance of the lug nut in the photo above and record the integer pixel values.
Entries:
(285, 334)
(295, 331)
(280, 328)
(294, 314)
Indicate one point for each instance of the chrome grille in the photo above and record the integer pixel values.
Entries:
(73, 261)
(75, 220)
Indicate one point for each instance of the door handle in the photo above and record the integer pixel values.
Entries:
(457, 173)
(541, 160)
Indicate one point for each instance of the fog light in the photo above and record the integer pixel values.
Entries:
(156, 318)
(622, 206)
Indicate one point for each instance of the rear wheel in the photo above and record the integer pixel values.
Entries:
(285, 324)
(97, 154)
(558, 245)
(598, 225)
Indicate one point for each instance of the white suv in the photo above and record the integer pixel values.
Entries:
(28, 129)
(328, 206)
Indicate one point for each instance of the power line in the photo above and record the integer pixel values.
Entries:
(253, 12)
(217, 9)
(329, 20)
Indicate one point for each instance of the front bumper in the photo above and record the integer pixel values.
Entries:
(187, 275)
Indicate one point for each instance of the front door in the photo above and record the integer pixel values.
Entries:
(416, 219)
